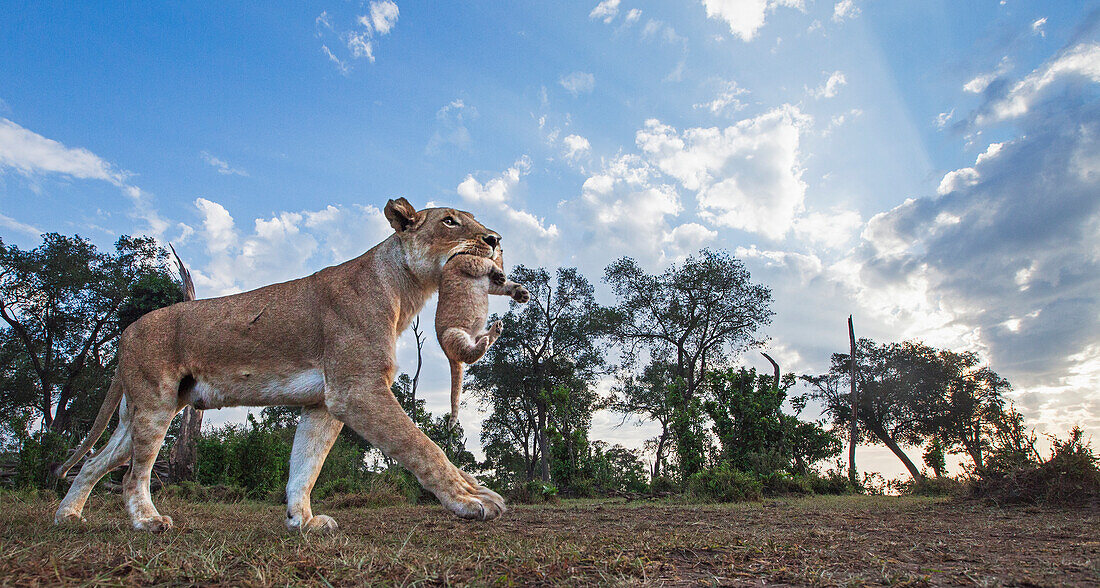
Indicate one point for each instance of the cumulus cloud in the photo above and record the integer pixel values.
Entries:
(606, 11)
(528, 235)
(845, 9)
(578, 82)
(1005, 258)
(745, 17)
(1081, 62)
(829, 230)
(285, 246)
(830, 86)
(221, 165)
(747, 176)
(33, 155)
(575, 146)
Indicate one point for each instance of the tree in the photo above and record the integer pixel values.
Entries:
(964, 412)
(899, 387)
(550, 343)
(691, 316)
(60, 302)
(648, 395)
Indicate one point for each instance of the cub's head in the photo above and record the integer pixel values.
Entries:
(434, 235)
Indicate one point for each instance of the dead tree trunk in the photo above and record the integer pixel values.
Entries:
(775, 369)
(852, 437)
(184, 457)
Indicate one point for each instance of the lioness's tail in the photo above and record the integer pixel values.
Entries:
(110, 403)
(456, 388)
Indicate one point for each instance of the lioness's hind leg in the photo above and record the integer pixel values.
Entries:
(150, 416)
(317, 431)
(113, 455)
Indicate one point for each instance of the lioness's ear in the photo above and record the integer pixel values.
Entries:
(401, 214)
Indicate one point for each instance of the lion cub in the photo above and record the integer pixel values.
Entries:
(463, 309)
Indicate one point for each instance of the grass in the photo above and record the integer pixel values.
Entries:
(842, 541)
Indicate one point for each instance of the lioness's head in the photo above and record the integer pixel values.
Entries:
(434, 235)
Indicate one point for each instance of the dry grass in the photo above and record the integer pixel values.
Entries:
(810, 541)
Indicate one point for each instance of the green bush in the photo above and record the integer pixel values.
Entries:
(1069, 477)
(784, 484)
(41, 452)
(942, 486)
(534, 492)
(662, 484)
(833, 483)
(722, 483)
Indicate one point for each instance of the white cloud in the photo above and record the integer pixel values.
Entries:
(829, 230)
(830, 86)
(10, 223)
(30, 154)
(33, 155)
(746, 176)
(745, 17)
(632, 16)
(575, 146)
(221, 165)
(943, 118)
(578, 82)
(1081, 61)
(285, 246)
(845, 9)
(967, 176)
(383, 15)
(1037, 27)
(727, 100)
(496, 196)
(380, 19)
(606, 10)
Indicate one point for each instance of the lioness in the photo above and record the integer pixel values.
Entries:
(325, 342)
(463, 307)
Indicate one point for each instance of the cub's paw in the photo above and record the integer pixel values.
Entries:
(496, 329)
(521, 295)
(70, 519)
(471, 500)
(157, 524)
(497, 277)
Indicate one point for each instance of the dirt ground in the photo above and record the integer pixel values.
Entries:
(847, 541)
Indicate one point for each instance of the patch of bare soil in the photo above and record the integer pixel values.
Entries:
(811, 541)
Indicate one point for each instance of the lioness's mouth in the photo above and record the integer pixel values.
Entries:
(475, 251)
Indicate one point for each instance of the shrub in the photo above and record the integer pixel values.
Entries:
(783, 484)
(942, 486)
(725, 484)
(1069, 477)
(833, 483)
(534, 492)
(662, 484)
(40, 453)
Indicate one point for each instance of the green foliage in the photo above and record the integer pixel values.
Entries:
(255, 457)
(934, 457)
(59, 303)
(534, 492)
(1069, 477)
(723, 483)
(150, 291)
(39, 454)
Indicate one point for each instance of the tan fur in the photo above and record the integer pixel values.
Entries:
(463, 308)
(325, 342)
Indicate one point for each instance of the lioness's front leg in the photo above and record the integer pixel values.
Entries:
(317, 431)
(364, 402)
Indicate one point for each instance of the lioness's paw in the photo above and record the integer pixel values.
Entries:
(521, 295)
(474, 501)
(321, 524)
(70, 519)
(157, 524)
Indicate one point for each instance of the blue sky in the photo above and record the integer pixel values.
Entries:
(930, 167)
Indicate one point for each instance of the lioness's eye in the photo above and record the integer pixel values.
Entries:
(450, 222)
